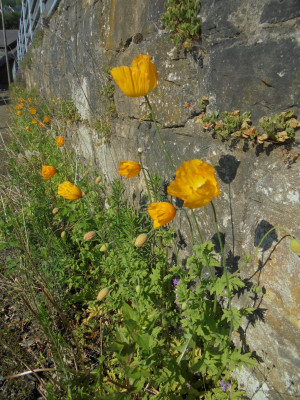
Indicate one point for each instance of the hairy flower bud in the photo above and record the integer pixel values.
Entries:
(103, 293)
(295, 246)
(98, 180)
(140, 240)
(55, 211)
(63, 234)
(89, 236)
(104, 248)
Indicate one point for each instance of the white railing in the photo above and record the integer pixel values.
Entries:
(32, 17)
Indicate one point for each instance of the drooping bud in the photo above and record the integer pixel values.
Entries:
(140, 240)
(295, 246)
(55, 211)
(89, 236)
(104, 248)
(63, 234)
(140, 150)
(103, 293)
(98, 180)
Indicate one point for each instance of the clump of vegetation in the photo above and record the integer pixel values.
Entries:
(67, 110)
(278, 128)
(181, 19)
(121, 316)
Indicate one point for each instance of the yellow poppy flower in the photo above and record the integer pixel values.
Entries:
(27, 128)
(161, 213)
(34, 121)
(46, 119)
(129, 169)
(60, 141)
(48, 171)
(137, 80)
(32, 110)
(69, 191)
(19, 113)
(195, 183)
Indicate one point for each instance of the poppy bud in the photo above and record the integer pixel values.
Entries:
(103, 293)
(89, 236)
(63, 234)
(140, 150)
(138, 289)
(104, 248)
(55, 211)
(140, 240)
(98, 180)
(295, 246)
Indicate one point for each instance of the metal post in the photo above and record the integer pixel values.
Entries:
(5, 43)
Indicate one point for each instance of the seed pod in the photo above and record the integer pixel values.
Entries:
(55, 211)
(104, 248)
(103, 293)
(140, 240)
(89, 236)
(295, 246)
(98, 180)
(63, 234)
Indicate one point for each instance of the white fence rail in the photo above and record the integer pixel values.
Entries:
(32, 15)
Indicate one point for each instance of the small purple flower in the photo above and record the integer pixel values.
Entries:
(175, 282)
(188, 386)
(222, 383)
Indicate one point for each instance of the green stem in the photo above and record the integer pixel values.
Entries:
(159, 135)
(224, 267)
(258, 246)
(171, 164)
(146, 180)
(197, 226)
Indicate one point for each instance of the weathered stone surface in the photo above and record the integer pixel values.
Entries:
(280, 10)
(246, 59)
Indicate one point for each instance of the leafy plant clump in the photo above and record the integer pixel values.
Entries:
(120, 316)
(181, 19)
(278, 128)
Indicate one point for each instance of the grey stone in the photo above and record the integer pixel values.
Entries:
(280, 10)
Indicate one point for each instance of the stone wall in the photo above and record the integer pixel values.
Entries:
(246, 59)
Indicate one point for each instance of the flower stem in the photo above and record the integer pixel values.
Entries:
(258, 246)
(224, 267)
(159, 134)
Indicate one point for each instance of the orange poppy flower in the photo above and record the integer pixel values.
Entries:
(48, 171)
(46, 119)
(34, 121)
(195, 183)
(138, 79)
(27, 128)
(161, 213)
(32, 110)
(69, 191)
(41, 125)
(60, 141)
(129, 169)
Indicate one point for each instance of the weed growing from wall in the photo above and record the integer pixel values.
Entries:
(182, 21)
(120, 315)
